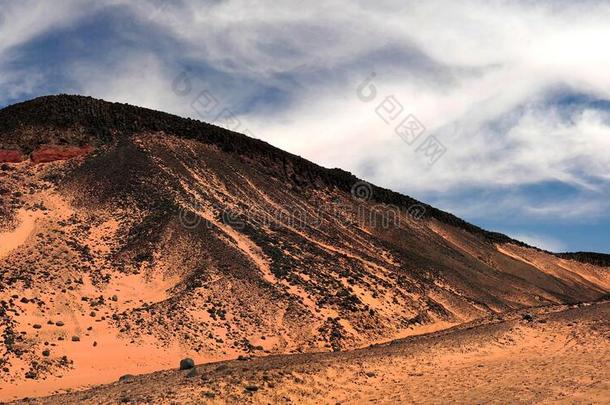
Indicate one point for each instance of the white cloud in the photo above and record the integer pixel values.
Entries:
(491, 57)
(460, 67)
(138, 78)
(21, 21)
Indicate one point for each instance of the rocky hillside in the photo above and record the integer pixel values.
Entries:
(130, 238)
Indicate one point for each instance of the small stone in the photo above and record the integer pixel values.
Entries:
(37, 326)
(251, 388)
(30, 375)
(114, 298)
(186, 364)
(75, 339)
(46, 353)
(59, 323)
(126, 378)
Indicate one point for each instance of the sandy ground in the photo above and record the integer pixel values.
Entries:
(559, 356)
(14, 238)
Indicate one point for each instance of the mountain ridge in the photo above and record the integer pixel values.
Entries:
(101, 122)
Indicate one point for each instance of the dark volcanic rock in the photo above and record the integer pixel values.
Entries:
(186, 364)
(126, 378)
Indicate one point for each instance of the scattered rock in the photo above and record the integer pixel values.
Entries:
(75, 339)
(30, 375)
(251, 388)
(528, 317)
(59, 323)
(46, 353)
(126, 378)
(186, 364)
(37, 326)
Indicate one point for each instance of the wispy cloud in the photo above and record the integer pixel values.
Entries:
(489, 79)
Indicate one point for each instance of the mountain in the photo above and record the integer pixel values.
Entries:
(130, 238)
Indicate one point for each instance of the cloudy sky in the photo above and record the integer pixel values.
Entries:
(496, 111)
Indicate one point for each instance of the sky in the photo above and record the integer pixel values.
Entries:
(496, 111)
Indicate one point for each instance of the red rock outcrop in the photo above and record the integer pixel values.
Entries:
(11, 156)
(53, 152)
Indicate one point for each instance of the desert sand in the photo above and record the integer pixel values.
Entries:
(555, 355)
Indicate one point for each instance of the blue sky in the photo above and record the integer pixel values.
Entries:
(517, 95)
